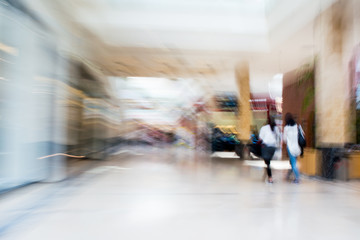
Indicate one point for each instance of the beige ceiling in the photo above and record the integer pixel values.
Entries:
(194, 38)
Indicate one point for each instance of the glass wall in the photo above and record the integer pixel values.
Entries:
(26, 56)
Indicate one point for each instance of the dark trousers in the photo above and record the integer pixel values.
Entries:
(268, 169)
(267, 154)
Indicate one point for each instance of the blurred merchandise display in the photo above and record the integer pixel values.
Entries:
(226, 102)
(224, 141)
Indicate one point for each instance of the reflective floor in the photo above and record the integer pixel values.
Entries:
(176, 194)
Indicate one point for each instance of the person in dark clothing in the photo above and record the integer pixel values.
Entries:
(269, 135)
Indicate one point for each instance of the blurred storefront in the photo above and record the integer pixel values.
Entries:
(53, 104)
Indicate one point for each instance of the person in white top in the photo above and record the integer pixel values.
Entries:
(291, 140)
(269, 135)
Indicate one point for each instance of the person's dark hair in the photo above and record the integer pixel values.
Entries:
(289, 120)
(272, 123)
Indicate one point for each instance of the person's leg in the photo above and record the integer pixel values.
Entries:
(293, 166)
(267, 153)
(268, 170)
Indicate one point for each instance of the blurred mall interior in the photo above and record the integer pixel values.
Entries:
(132, 119)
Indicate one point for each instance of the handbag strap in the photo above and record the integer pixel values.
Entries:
(300, 130)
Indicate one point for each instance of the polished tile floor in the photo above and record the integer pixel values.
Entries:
(177, 194)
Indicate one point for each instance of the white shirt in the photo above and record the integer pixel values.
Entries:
(291, 139)
(268, 137)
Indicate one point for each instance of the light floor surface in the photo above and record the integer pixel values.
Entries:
(175, 194)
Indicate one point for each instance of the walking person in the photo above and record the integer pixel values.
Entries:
(291, 131)
(270, 136)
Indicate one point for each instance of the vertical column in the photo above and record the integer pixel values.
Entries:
(331, 91)
(244, 117)
(333, 99)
